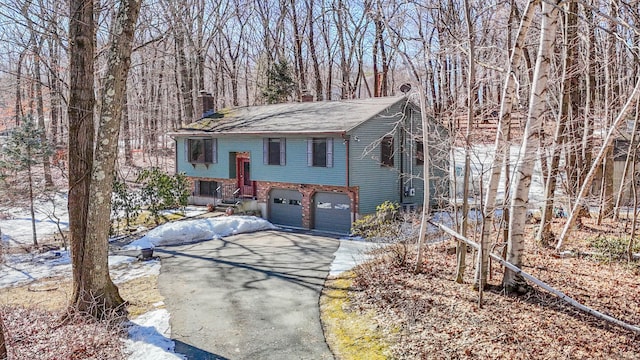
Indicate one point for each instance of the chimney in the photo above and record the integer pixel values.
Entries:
(205, 103)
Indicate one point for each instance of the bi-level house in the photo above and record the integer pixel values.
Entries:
(312, 165)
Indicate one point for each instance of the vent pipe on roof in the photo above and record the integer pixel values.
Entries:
(206, 104)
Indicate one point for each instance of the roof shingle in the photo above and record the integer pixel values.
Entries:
(304, 117)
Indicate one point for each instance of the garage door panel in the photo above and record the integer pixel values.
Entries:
(285, 207)
(332, 212)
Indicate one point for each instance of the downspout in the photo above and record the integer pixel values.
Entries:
(175, 155)
(347, 141)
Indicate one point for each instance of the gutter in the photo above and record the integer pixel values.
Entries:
(206, 133)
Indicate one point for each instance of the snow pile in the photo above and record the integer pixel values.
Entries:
(181, 232)
(150, 337)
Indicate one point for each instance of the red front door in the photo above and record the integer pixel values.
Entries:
(243, 166)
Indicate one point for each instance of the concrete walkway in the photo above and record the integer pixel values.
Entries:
(250, 296)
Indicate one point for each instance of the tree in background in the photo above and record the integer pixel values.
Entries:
(279, 84)
(24, 150)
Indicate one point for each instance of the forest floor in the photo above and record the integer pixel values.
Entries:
(430, 316)
(32, 314)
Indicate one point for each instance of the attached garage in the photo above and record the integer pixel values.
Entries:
(332, 212)
(285, 207)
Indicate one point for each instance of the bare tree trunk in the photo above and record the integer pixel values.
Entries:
(81, 138)
(586, 184)
(119, 59)
(126, 129)
(612, 102)
(299, 61)
(504, 124)
(54, 85)
(635, 207)
(461, 249)
(46, 163)
(426, 200)
(3, 344)
(345, 91)
(524, 169)
(18, 107)
(36, 47)
(630, 159)
(312, 50)
(327, 42)
(186, 84)
(31, 207)
(545, 235)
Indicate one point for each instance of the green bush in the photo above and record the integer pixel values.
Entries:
(612, 248)
(124, 201)
(161, 191)
(383, 224)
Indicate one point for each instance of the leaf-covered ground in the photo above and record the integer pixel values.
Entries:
(440, 319)
(31, 315)
(39, 334)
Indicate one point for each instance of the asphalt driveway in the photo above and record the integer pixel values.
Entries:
(249, 296)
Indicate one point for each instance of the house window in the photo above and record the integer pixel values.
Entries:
(274, 151)
(320, 152)
(386, 151)
(206, 188)
(202, 151)
(419, 152)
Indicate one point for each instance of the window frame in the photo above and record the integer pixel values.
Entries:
(269, 157)
(211, 184)
(387, 150)
(312, 154)
(212, 150)
(419, 152)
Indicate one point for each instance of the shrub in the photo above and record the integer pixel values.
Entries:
(612, 248)
(383, 225)
(161, 191)
(124, 201)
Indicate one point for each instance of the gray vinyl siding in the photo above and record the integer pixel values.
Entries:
(439, 156)
(295, 169)
(376, 183)
(439, 164)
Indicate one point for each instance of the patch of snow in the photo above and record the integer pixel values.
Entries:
(49, 212)
(135, 270)
(481, 162)
(186, 231)
(350, 254)
(116, 260)
(150, 337)
(189, 211)
(25, 268)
